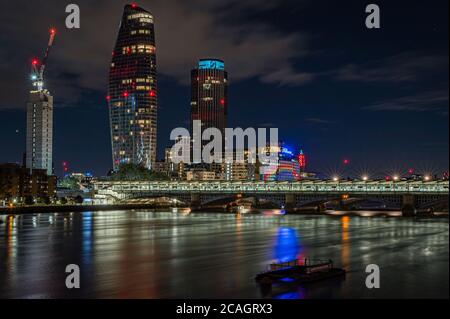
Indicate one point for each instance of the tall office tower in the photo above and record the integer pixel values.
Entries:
(209, 99)
(39, 146)
(132, 91)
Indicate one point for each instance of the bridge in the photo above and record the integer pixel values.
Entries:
(407, 195)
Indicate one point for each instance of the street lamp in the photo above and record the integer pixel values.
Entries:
(365, 178)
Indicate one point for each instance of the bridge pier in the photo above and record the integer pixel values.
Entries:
(289, 201)
(195, 200)
(409, 205)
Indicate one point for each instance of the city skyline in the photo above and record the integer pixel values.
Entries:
(224, 155)
(391, 106)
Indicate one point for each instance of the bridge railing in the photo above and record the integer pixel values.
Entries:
(385, 187)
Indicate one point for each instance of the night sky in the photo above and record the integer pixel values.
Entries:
(311, 68)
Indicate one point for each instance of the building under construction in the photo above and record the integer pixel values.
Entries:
(39, 149)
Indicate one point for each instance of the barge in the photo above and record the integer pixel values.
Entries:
(299, 271)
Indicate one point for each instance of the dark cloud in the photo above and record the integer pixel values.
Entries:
(435, 101)
(404, 67)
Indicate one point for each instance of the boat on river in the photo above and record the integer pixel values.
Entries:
(299, 271)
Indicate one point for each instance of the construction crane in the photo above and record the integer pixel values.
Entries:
(37, 73)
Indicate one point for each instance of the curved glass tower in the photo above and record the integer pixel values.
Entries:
(132, 91)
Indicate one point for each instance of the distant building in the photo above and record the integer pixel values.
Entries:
(18, 182)
(161, 167)
(85, 180)
(132, 90)
(200, 175)
(237, 170)
(177, 168)
(39, 147)
(287, 169)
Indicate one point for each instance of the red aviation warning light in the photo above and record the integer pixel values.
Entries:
(411, 171)
(346, 161)
(152, 93)
(37, 75)
(222, 101)
(134, 5)
(125, 94)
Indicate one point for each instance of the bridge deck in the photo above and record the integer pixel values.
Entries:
(316, 186)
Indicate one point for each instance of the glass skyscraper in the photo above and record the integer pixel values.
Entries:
(132, 91)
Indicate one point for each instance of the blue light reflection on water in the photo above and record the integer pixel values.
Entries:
(87, 236)
(299, 293)
(287, 246)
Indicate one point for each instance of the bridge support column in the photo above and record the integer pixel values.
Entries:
(289, 201)
(195, 200)
(408, 205)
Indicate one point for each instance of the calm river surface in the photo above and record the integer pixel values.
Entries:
(142, 254)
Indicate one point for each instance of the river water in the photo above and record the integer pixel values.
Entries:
(143, 254)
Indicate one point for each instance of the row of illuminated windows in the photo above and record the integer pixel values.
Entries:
(139, 15)
(133, 32)
(143, 87)
(140, 110)
(208, 83)
(212, 79)
(145, 20)
(139, 48)
(131, 133)
(140, 122)
(139, 87)
(137, 80)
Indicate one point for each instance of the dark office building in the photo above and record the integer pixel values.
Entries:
(132, 91)
(209, 99)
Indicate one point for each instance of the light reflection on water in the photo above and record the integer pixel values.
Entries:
(142, 254)
(287, 247)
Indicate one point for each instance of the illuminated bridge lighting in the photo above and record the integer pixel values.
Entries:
(316, 186)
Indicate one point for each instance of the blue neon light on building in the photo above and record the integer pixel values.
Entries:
(211, 64)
